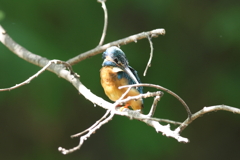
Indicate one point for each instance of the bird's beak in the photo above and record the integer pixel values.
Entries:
(125, 68)
(129, 72)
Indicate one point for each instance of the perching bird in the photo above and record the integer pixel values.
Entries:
(116, 72)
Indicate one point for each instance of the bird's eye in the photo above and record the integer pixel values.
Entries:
(116, 60)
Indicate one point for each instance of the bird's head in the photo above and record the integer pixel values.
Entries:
(115, 57)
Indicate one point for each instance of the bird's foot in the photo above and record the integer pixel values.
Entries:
(123, 107)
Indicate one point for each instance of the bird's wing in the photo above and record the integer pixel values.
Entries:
(140, 89)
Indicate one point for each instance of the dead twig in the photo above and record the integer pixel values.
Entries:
(151, 56)
(105, 21)
(163, 89)
(204, 111)
(124, 41)
(90, 131)
(39, 72)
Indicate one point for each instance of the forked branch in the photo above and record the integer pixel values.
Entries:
(106, 118)
(154, 33)
(204, 111)
(163, 89)
(41, 71)
(64, 70)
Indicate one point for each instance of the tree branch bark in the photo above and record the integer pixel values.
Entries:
(99, 49)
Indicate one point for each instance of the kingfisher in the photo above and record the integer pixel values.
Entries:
(116, 72)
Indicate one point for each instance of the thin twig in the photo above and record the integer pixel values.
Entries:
(140, 96)
(105, 21)
(164, 120)
(204, 111)
(154, 106)
(166, 90)
(104, 120)
(164, 129)
(124, 41)
(151, 55)
(86, 136)
(93, 126)
(124, 94)
(39, 72)
(63, 73)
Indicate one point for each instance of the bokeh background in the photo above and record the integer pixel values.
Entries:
(198, 59)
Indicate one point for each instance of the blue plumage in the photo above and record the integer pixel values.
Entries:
(130, 81)
(120, 60)
(116, 72)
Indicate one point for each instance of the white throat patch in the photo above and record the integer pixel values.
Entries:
(116, 69)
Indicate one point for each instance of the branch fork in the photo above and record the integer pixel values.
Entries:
(64, 70)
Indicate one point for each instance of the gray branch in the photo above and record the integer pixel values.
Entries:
(64, 70)
(99, 49)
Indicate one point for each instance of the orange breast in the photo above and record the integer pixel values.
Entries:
(110, 84)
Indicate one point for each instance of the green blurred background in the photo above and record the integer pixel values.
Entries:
(198, 59)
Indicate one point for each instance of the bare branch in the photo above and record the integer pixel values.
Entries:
(165, 121)
(30, 78)
(70, 76)
(123, 95)
(154, 106)
(93, 126)
(140, 96)
(105, 21)
(90, 132)
(165, 130)
(154, 122)
(157, 95)
(38, 73)
(61, 71)
(164, 89)
(130, 113)
(204, 111)
(21, 51)
(124, 41)
(150, 58)
(58, 69)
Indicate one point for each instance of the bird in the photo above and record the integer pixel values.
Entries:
(116, 72)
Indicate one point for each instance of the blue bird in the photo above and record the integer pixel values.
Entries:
(116, 72)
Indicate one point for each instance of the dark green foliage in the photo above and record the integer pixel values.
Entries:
(198, 59)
